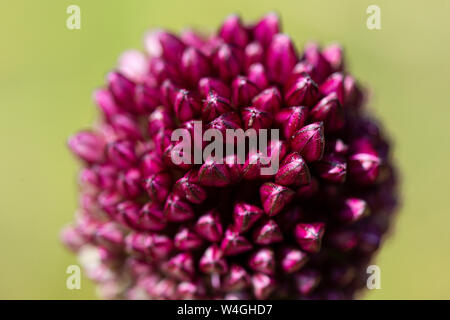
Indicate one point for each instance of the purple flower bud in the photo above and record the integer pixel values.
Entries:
(146, 98)
(263, 261)
(234, 244)
(245, 216)
(151, 163)
(302, 91)
(158, 186)
(122, 89)
(213, 261)
(353, 95)
(229, 120)
(237, 279)
(363, 163)
(213, 174)
(257, 74)
(187, 188)
(275, 197)
(268, 100)
(168, 93)
(254, 53)
(243, 91)
(160, 43)
(111, 236)
(126, 127)
(108, 201)
(194, 65)
(251, 170)
(335, 56)
(267, 28)
(128, 183)
(332, 168)
(209, 227)
(234, 168)
(214, 105)
(309, 141)
(133, 64)
(309, 236)
(153, 247)
(165, 289)
(186, 240)
(105, 101)
(293, 260)
(256, 118)
(187, 105)
(151, 217)
(206, 85)
(227, 61)
(190, 290)
(158, 120)
(317, 60)
(334, 83)
(234, 32)
(306, 281)
(267, 233)
(293, 171)
(181, 266)
(263, 286)
(72, 238)
(122, 153)
(330, 112)
(281, 58)
(88, 146)
(128, 212)
(344, 240)
(192, 38)
(290, 120)
(177, 210)
(353, 209)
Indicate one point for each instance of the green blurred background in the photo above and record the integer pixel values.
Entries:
(47, 74)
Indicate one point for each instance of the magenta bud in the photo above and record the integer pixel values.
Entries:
(334, 54)
(151, 217)
(186, 240)
(293, 171)
(306, 281)
(330, 112)
(267, 233)
(245, 216)
(234, 32)
(227, 61)
(336, 146)
(317, 60)
(364, 166)
(162, 140)
(267, 28)
(257, 74)
(209, 226)
(309, 141)
(160, 43)
(105, 101)
(302, 91)
(128, 212)
(214, 105)
(300, 69)
(158, 186)
(162, 70)
(151, 163)
(344, 240)
(234, 244)
(110, 235)
(158, 120)
(133, 64)
(275, 197)
(332, 168)
(165, 289)
(234, 168)
(194, 65)
(192, 38)
(150, 246)
(243, 91)
(256, 119)
(187, 105)
(88, 146)
(334, 83)
(251, 170)
(213, 174)
(213, 261)
(187, 188)
(263, 285)
(281, 58)
(268, 100)
(293, 260)
(168, 93)
(72, 238)
(122, 153)
(308, 190)
(263, 261)
(353, 95)
(229, 120)
(146, 98)
(181, 266)
(121, 88)
(254, 53)
(309, 236)
(188, 290)
(237, 279)
(108, 201)
(177, 210)
(277, 148)
(126, 127)
(290, 120)
(206, 85)
(128, 183)
(353, 209)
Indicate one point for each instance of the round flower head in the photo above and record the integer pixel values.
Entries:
(150, 227)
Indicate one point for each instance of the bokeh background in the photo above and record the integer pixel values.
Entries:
(47, 74)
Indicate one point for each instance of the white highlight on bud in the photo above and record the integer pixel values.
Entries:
(74, 20)
(73, 281)
(374, 280)
(374, 20)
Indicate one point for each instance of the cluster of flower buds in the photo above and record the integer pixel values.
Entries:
(150, 228)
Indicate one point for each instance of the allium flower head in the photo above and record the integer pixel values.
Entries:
(148, 227)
